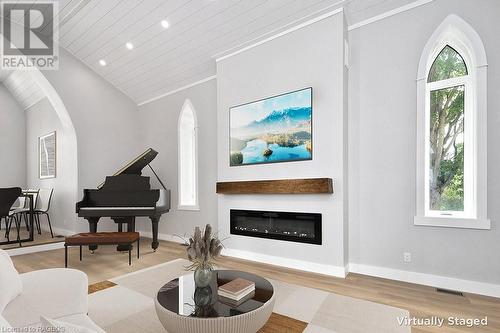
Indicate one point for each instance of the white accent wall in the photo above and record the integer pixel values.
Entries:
(13, 141)
(309, 57)
(382, 148)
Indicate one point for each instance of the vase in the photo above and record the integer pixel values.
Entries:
(202, 296)
(202, 277)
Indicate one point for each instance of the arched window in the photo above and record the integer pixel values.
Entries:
(188, 158)
(451, 126)
(449, 180)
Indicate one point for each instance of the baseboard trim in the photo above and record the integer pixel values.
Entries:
(161, 236)
(60, 231)
(312, 267)
(35, 248)
(437, 281)
(467, 286)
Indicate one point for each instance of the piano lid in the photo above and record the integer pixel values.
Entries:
(137, 164)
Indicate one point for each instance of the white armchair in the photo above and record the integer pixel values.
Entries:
(57, 293)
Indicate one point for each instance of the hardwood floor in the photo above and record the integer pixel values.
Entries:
(421, 301)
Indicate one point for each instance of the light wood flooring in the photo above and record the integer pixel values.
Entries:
(421, 301)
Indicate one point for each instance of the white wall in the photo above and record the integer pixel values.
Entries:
(382, 136)
(309, 57)
(105, 120)
(42, 119)
(158, 123)
(13, 141)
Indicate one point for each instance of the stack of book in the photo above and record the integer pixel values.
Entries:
(236, 292)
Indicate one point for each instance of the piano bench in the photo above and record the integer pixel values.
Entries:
(102, 238)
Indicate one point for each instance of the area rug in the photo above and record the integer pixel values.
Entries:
(126, 304)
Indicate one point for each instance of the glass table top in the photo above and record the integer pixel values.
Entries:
(182, 297)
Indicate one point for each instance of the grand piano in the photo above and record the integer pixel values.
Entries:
(124, 196)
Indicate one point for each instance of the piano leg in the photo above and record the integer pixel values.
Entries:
(131, 225)
(154, 227)
(92, 228)
(130, 221)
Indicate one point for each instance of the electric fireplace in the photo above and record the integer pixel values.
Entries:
(286, 226)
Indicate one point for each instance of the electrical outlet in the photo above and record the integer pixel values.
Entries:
(407, 257)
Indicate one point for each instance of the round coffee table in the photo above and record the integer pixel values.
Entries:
(183, 308)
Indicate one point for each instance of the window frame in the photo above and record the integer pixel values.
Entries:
(469, 144)
(457, 34)
(196, 207)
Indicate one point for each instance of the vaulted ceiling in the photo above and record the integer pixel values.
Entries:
(164, 59)
(3, 74)
(23, 88)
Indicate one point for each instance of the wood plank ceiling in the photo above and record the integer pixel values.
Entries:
(164, 59)
(23, 88)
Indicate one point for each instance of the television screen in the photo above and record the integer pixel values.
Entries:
(275, 129)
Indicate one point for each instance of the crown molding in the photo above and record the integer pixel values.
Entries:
(178, 90)
(262, 39)
(389, 13)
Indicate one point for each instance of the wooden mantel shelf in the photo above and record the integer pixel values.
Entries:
(278, 186)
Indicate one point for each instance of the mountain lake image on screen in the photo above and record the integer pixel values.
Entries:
(275, 129)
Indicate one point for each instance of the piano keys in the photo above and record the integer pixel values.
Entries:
(124, 196)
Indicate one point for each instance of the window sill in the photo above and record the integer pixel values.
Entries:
(191, 208)
(452, 222)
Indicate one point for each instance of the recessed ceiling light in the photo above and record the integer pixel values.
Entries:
(129, 45)
(102, 62)
(165, 24)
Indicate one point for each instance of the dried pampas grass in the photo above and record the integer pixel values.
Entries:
(203, 249)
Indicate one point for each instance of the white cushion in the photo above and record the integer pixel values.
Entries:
(53, 293)
(4, 325)
(52, 325)
(10, 281)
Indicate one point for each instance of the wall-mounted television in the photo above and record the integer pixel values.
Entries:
(271, 130)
